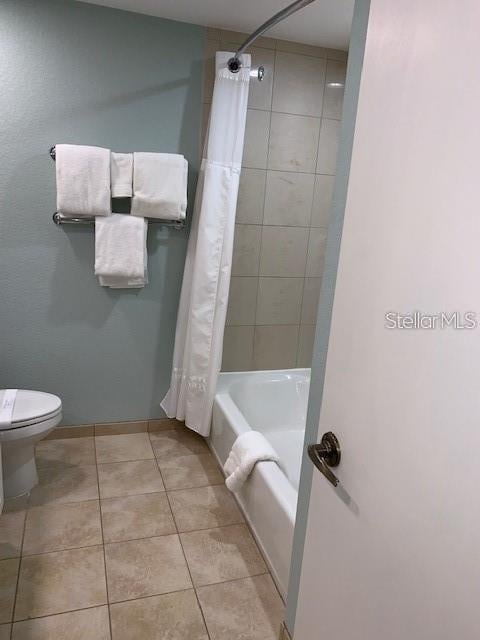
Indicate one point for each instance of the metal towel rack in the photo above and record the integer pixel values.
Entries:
(60, 219)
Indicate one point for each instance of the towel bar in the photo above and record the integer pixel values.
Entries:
(60, 219)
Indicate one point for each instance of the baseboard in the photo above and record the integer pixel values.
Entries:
(114, 428)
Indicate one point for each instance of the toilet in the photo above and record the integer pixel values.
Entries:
(35, 414)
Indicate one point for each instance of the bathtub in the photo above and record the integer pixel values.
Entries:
(275, 403)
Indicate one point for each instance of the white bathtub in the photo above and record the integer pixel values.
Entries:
(275, 403)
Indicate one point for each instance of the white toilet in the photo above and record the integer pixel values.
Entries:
(35, 414)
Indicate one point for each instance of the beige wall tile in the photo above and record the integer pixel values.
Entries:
(246, 250)
(311, 294)
(212, 45)
(303, 49)
(238, 37)
(62, 581)
(247, 608)
(260, 92)
(141, 516)
(191, 471)
(322, 201)
(140, 568)
(72, 451)
(118, 428)
(242, 301)
(334, 89)
(337, 54)
(288, 198)
(177, 443)
(251, 196)
(130, 446)
(129, 478)
(88, 624)
(224, 553)
(293, 142)
(175, 616)
(63, 483)
(238, 349)
(328, 146)
(275, 347)
(212, 33)
(316, 252)
(299, 84)
(305, 345)
(62, 526)
(5, 631)
(279, 301)
(204, 508)
(284, 251)
(11, 533)
(8, 583)
(255, 148)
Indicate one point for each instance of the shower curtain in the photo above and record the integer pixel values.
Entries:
(202, 311)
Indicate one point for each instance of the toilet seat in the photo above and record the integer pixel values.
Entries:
(32, 408)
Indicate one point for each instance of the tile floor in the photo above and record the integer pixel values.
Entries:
(132, 537)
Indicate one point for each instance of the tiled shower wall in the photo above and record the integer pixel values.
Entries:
(285, 194)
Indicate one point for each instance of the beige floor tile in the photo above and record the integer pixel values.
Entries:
(226, 553)
(248, 609)
(63, 483)
(145, 568)
(5, 631)
(68, 451)
(116, 428)
(11, 532)
(204, 508)
(177, 442)
(175, 616)
(87, 624)
(129, 478)
(8, 583)
(61, 581)
(62, 526)
(120, 448)
(13, 505)
(186, 472)
(142, 516)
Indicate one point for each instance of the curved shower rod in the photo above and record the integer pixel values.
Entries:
(235, 64)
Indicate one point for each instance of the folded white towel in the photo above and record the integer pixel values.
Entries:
(83, 180)
(248, 449)
(7, 405)
(121, 251)
(159, 186)
(122, 174)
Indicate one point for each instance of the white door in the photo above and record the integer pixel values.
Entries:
(401, 560)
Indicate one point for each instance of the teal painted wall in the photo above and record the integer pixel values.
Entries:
(77, 73)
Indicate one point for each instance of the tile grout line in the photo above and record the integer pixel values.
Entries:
(184, 554)
(20, 560)
(103, 539)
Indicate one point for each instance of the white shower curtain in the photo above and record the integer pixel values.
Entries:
(206, 280)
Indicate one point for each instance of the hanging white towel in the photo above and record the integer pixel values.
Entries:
(248, 449)
(121, 251)
(83, 180)
(122, 174)
(159, 186)
(7, 405)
